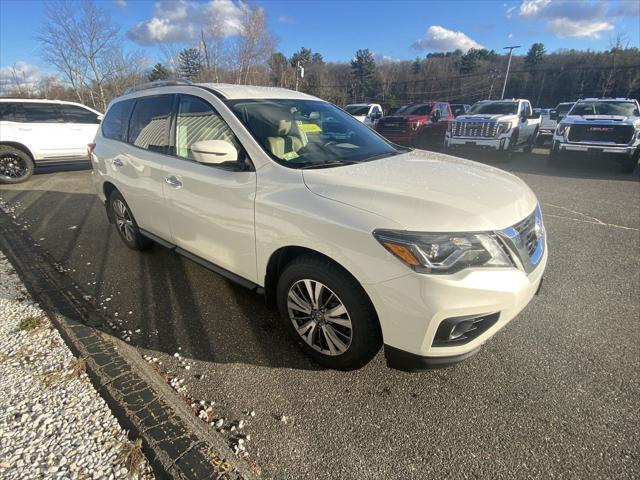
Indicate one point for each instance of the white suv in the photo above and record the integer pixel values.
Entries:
(42, 132)
(358, 242)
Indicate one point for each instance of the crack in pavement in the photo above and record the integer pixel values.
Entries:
(589, 219)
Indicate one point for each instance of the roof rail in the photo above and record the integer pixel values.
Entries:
(158, 83)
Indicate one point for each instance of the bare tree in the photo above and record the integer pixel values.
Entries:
(254, 46)
(78, 39)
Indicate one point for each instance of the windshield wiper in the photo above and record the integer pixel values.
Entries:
(328, 164)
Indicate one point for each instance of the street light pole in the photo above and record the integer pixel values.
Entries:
(504, 86)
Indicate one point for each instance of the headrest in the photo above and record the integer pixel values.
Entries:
(284, 127)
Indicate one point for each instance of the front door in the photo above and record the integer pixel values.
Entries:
(210, 207)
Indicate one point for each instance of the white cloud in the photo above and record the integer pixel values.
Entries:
(440, 39)
(510, 35)
(563, 27)
(121, 3)
(180, 21)
(570, 18)
(628, 8)
(21, 72)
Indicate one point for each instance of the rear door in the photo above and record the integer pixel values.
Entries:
(139, 166)
(82, 125)
(41, 127)
(210, 207)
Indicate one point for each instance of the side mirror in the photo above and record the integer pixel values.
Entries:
(214, 152)
(376, 115)
(553, 115)
(100, 117)
(435, 116)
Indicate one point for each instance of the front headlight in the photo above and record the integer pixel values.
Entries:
(562, 128)
(503, 127)
(443, 252)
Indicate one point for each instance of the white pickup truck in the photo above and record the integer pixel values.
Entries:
(502, 125)
(367, 113)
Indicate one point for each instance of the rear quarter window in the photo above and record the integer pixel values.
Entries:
(116, 122)
(75, 114)
(7, 112)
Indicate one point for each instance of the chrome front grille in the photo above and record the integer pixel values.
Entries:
(475, 129)
(526, 240)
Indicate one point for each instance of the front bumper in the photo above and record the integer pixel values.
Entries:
(500, 142)
(624, 150)
(412, 307)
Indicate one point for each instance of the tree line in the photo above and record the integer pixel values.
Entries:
(85, 48)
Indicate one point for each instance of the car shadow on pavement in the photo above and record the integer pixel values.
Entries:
(167, 302)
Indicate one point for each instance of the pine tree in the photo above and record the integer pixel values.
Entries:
(190, 63)
(363, 70)
(158, 72)
(535, 55)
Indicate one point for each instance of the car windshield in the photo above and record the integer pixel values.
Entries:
(494, 108)
(625, 109)
(415, 109)
(310, 133)
(357, 109)
(563, 108)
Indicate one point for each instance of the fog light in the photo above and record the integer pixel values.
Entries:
(460, 330)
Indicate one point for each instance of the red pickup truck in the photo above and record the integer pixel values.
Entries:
(417, 124)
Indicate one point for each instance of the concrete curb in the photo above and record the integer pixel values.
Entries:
(177, 444)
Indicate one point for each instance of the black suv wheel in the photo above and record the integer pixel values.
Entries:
(15, 165)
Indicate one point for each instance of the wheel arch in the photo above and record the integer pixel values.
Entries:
(280, 258)
(108, 188)
(20, 146)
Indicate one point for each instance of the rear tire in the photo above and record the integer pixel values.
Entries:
(15, 165)
(126, 224)
(309, 290)
(532, 142)
(555, 156)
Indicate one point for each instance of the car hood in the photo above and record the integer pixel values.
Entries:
(484, 118)
(425, 191)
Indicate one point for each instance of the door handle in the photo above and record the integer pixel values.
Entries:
(117, 162)
(173, 181)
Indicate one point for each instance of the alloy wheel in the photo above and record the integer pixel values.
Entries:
(124, 223)
(12, 166)
(319, 317)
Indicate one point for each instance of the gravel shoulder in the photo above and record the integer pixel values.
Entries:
(53, 423)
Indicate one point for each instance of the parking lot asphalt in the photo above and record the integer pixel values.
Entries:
(554, 394)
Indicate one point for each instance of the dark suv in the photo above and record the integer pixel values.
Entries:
(417, 124)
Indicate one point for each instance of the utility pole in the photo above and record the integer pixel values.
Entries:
(504, 86)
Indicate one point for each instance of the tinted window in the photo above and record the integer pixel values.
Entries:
(38, 113)
(6, 112)
(197, 120)
(73, 114)
(415, 109)
(116, 121)
(149, 122)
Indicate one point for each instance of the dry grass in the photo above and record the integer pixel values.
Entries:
(75, 370)
(133, 458)
(30, 324)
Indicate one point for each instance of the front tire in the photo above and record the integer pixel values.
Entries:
(328, 313)
(126, 224)
(629, 164)
(15, 165)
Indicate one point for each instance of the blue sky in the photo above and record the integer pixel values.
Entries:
(395, 29)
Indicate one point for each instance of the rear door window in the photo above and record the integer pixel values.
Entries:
(75, 114)
(149, 125)
(39, 113)
(116, 122)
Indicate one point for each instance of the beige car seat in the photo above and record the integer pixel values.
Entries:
(286, 140)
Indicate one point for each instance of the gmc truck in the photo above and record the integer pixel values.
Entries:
(609, 127)
(501, 125)
(417, 124)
